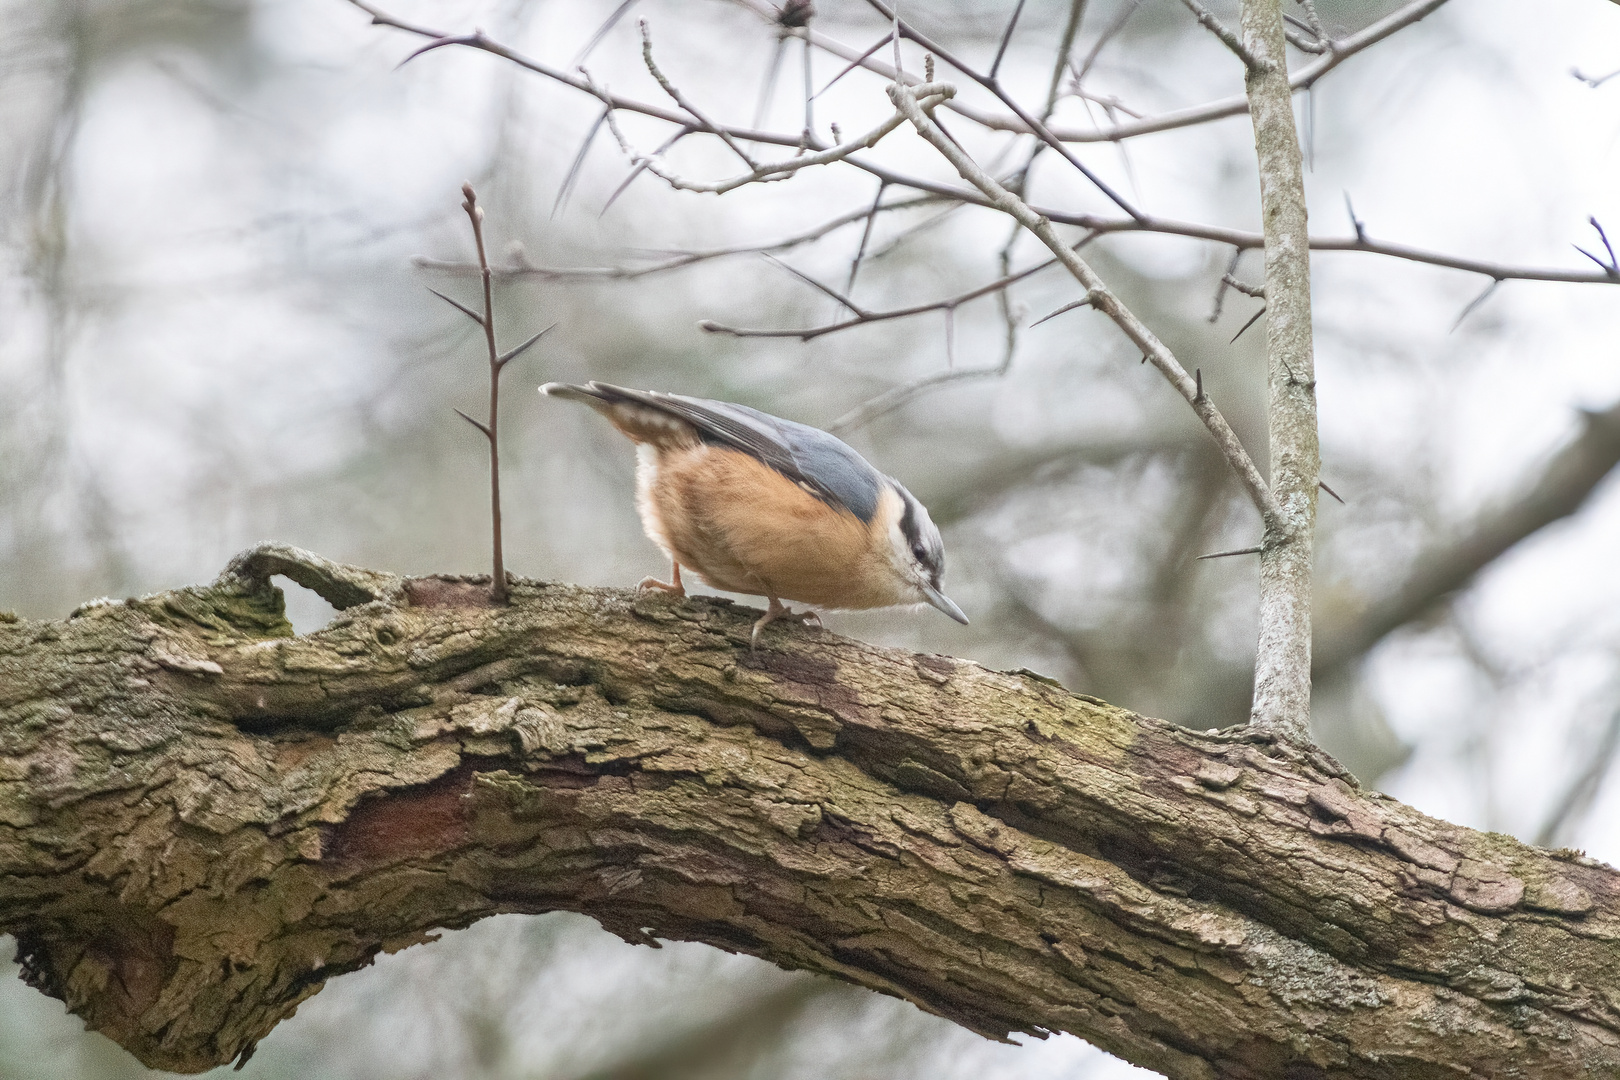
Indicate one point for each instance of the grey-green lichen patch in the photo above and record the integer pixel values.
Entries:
(1301, 975)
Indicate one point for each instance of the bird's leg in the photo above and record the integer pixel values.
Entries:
(778, 610)
(674, 588)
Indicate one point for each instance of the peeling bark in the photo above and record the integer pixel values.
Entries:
(204, 817)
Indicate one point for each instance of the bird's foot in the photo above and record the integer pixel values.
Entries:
(675, 589)
(778, 612)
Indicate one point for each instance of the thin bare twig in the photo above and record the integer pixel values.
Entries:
(578, 162)
(601, 32)
(1337, 53)
(1208, 21)
(1006, 38)
(866, 236)
(768, 172)
(825, 290)
(767, 89)
(857, 62)
(994, 86)
(521, 267)
(1113, 31)
(1071, 30)
(680, 99)
(497, 363)
(1356, 223)
(863, 318)
(1256, 291)
(1313, 21)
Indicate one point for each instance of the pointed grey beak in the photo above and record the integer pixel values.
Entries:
(944, 603)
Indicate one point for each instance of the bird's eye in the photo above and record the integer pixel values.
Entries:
(921, 553)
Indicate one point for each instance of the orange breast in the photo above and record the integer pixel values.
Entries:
(744, 527)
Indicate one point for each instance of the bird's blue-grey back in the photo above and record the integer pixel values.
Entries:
(823, 462)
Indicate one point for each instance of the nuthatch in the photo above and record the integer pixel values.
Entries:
(767, 507)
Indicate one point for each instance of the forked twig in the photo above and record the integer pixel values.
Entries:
(497, 363)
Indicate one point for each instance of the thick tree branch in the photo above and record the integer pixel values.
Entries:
(203, 818)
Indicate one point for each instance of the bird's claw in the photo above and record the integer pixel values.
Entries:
(778, 612)
(675, 589)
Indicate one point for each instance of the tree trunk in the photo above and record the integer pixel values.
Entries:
(203, 818)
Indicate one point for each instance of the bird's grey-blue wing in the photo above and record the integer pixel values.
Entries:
(823, 462)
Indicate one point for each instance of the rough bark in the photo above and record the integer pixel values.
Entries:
(203, 818)
(1282, 669)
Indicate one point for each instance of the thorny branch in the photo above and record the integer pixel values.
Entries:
(497, 362)
(1102, 298)
(1147, 223)
(520, 266)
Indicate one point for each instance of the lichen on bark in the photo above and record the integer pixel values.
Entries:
(204, 817)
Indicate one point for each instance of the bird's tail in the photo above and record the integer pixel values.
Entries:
(634, 412)
(591, 396)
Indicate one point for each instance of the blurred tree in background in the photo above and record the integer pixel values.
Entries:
(213, 331)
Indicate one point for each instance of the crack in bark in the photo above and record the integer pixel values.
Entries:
(187, 852)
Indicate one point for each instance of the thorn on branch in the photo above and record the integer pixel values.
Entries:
(1084, 301)
(479, 424)
(1220, 290)
(1229, 554)
(1331, 492)
(1475, 302)
(1198, 383)
(854, 308)
(1355, 222)
(1612, 266)
(458, 305)
(512, 354)
(475, 38)
(1594, 81)
(857, 62)
(1252, 320)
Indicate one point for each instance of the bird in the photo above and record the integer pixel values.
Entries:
(763, 506)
